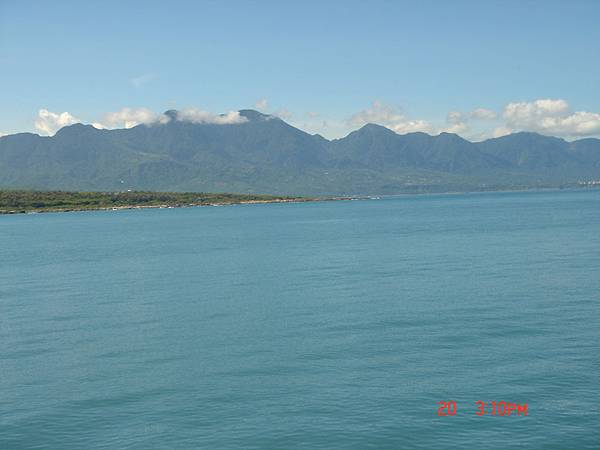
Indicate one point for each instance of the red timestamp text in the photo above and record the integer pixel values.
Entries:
(493, 408)
(500, 408)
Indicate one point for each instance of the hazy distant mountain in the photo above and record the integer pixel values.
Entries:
(265, 154)
(379, 148)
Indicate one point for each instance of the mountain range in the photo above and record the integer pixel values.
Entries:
(264, 154)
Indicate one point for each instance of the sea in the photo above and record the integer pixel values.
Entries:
(384, 323)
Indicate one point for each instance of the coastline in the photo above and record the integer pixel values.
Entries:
(205, 199)
(166, 205)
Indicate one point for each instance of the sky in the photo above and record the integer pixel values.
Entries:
(477, 68)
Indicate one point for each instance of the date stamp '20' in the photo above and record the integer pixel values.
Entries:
(501, 408)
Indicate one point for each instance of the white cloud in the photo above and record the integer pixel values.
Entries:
(456, 128)
(580, 123)
(483, 114)
(378, 113)
(454, 117)
(49, 122)
(130, 117)
(529, 113)
(456, 122)
(547, 116)
(196, 115)
(412, 126)
(551, 116)
(284, 114)
(391, 118)
(501, 131)
(262, 104)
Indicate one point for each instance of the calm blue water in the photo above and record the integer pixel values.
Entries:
(319, 325)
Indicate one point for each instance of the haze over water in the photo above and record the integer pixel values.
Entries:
(316, 325)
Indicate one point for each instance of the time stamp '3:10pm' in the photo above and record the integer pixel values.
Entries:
(502, 408)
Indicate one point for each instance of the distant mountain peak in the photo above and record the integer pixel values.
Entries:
(527, 133)
(372, 129)
(76, 128)
(171, 114)
(528, 136)
(375, 127)
(450, 137)
(255, 116)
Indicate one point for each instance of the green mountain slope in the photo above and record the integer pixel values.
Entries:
(264, 154)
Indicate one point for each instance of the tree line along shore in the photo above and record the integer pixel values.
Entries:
(22, 201)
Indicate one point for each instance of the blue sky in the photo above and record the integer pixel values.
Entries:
(476, 68)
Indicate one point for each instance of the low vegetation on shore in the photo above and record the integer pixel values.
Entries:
(13, 202)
